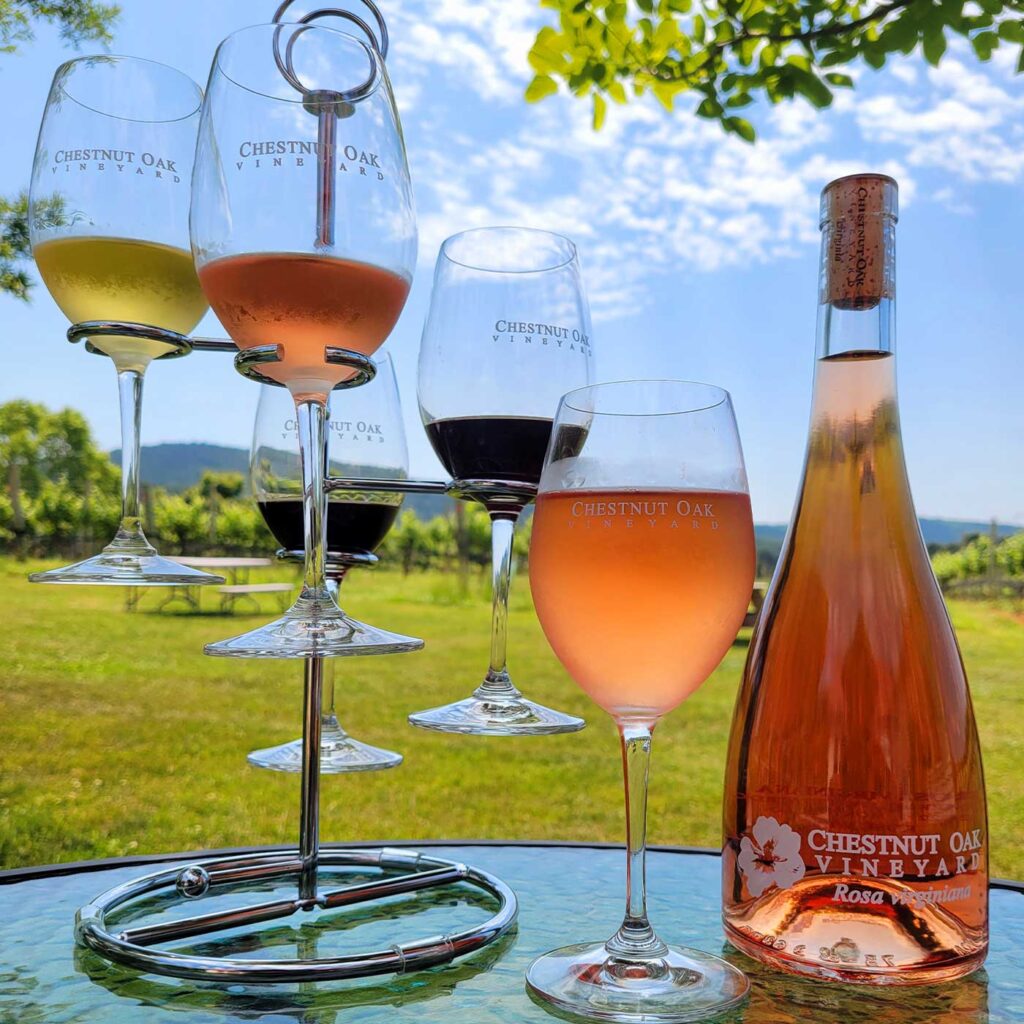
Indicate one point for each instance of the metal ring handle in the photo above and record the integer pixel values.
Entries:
(247, 361)
(197, 879)
(380, 40)
(336, 562)
(388, 485)
(512, 491)
(89, 329)
(322, 100)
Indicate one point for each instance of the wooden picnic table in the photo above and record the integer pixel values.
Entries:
(756, 600)
(235, 571)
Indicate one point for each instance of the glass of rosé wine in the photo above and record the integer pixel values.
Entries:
(641, 566)
(304, 238)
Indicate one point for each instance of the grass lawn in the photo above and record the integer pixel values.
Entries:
(118, 736)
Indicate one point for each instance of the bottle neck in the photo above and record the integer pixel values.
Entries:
(857, 293)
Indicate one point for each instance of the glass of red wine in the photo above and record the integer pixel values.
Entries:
(304, 239)
(507, 334)
(365, 442)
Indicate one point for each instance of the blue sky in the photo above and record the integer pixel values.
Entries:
(699, 252)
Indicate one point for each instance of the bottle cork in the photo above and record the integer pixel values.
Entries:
(858, 212)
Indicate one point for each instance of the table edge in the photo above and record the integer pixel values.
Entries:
(12, 876)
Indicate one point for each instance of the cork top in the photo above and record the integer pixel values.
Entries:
(857, 214)
(864, 194)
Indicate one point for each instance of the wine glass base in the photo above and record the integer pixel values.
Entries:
(127, 569)
(684, 985)
(509, 717)
(339, 753)
(334, 635)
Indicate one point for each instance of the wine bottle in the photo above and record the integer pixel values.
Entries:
(855, 844)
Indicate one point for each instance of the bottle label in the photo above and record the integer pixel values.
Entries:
(775, 855)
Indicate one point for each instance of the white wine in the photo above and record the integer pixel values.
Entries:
(96, 278)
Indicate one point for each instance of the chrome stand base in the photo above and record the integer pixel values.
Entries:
(339, 753)
(136, 945)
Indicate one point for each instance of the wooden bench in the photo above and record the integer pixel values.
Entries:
(756, 600)
(246, 592)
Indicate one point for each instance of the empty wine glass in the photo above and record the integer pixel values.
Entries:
(641, 566)
(507, 334)
(108, 221)
(365, 440)
(305, 241)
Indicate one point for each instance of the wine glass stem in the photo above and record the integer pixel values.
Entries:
(497, 685)
(333, 584)
(129, 533)
(309, 807)
(312, 417)
(635, 939)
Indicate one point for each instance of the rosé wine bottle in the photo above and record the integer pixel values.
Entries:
(855, 825)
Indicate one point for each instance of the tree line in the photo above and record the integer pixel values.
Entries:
(62, 499)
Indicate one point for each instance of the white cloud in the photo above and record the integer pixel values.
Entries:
(654, 192)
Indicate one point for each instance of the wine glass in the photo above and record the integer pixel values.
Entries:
(365, 439)
(108, 222)
(641, 565)
(305, 240)
(508, 333)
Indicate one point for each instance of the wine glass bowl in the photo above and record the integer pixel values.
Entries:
(108, 222)
(304, 237)
(641, 566)
(508, 332)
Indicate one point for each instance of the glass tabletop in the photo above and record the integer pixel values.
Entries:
(566, 894)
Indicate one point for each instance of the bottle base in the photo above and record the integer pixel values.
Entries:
(948, 969)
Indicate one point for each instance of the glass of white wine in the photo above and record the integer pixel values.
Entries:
(108, 219)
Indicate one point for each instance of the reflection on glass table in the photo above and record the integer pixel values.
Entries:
(45, 978)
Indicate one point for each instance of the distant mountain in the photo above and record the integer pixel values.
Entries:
(176, 467)
(936, 531)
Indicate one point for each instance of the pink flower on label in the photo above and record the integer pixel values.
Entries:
(769, 856)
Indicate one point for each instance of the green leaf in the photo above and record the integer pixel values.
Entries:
(832, 59)
(741, 99)
(984, 43)
(541, 86)
(600, 109)
(666, 35)
(873, 58)
(813, 89)
(616, 91)
(1020, 62)
(738, 126)
(844, 81)
(647, 6)
(934, 46)
(548, 51)
(710, 108)
(1012, 31)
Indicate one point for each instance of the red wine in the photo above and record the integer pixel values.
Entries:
(352, 526)
(492, 447)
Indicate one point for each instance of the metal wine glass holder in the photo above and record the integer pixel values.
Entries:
(402, 871)
(134, 947)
